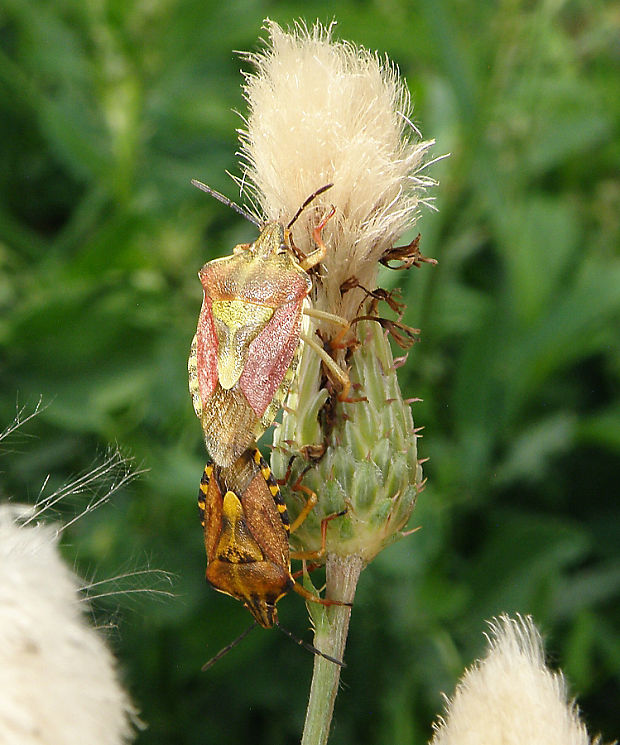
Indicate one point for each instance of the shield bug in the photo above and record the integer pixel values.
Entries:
(250, 335)
(246, 534)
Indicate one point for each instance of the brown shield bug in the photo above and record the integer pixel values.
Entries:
(251, 330)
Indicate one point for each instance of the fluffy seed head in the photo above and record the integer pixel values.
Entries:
(324, 111)
(58, 683)
(510, 696)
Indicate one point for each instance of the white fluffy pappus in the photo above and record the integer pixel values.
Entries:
(58, 680)
(324, 111)
(510, 697)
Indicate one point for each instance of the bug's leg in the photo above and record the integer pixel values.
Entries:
(316, 256)
(321, 551)
(338, 341)
(307, 508)
(300, 589)
(341, 377)
(309, 568)
(333, 368)
(324, 316)
(310, 502)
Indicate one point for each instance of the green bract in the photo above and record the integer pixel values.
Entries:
(370, 466)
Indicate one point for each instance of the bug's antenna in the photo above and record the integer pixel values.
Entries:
(229, 203)
(311, 198)
(307, 646)
(227, 648)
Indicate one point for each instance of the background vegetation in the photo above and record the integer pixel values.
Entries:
(107, 109)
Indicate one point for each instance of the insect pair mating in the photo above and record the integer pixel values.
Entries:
(254, 321)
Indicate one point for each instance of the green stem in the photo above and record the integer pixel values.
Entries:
(330, 637)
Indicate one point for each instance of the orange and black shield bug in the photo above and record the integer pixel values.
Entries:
(246, 533)
(250, 334)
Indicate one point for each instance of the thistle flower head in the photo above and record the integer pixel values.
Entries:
(46, 646)
(510, 696)
(323, 111)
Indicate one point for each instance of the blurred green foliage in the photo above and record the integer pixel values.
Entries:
(107, 109)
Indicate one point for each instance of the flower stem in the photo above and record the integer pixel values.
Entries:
(330, 637)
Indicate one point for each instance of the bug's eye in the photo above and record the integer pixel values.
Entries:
(282, 249)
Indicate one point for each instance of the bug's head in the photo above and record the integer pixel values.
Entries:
(264, 611)
(275, 239)
(261, 598)
(270, 242)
